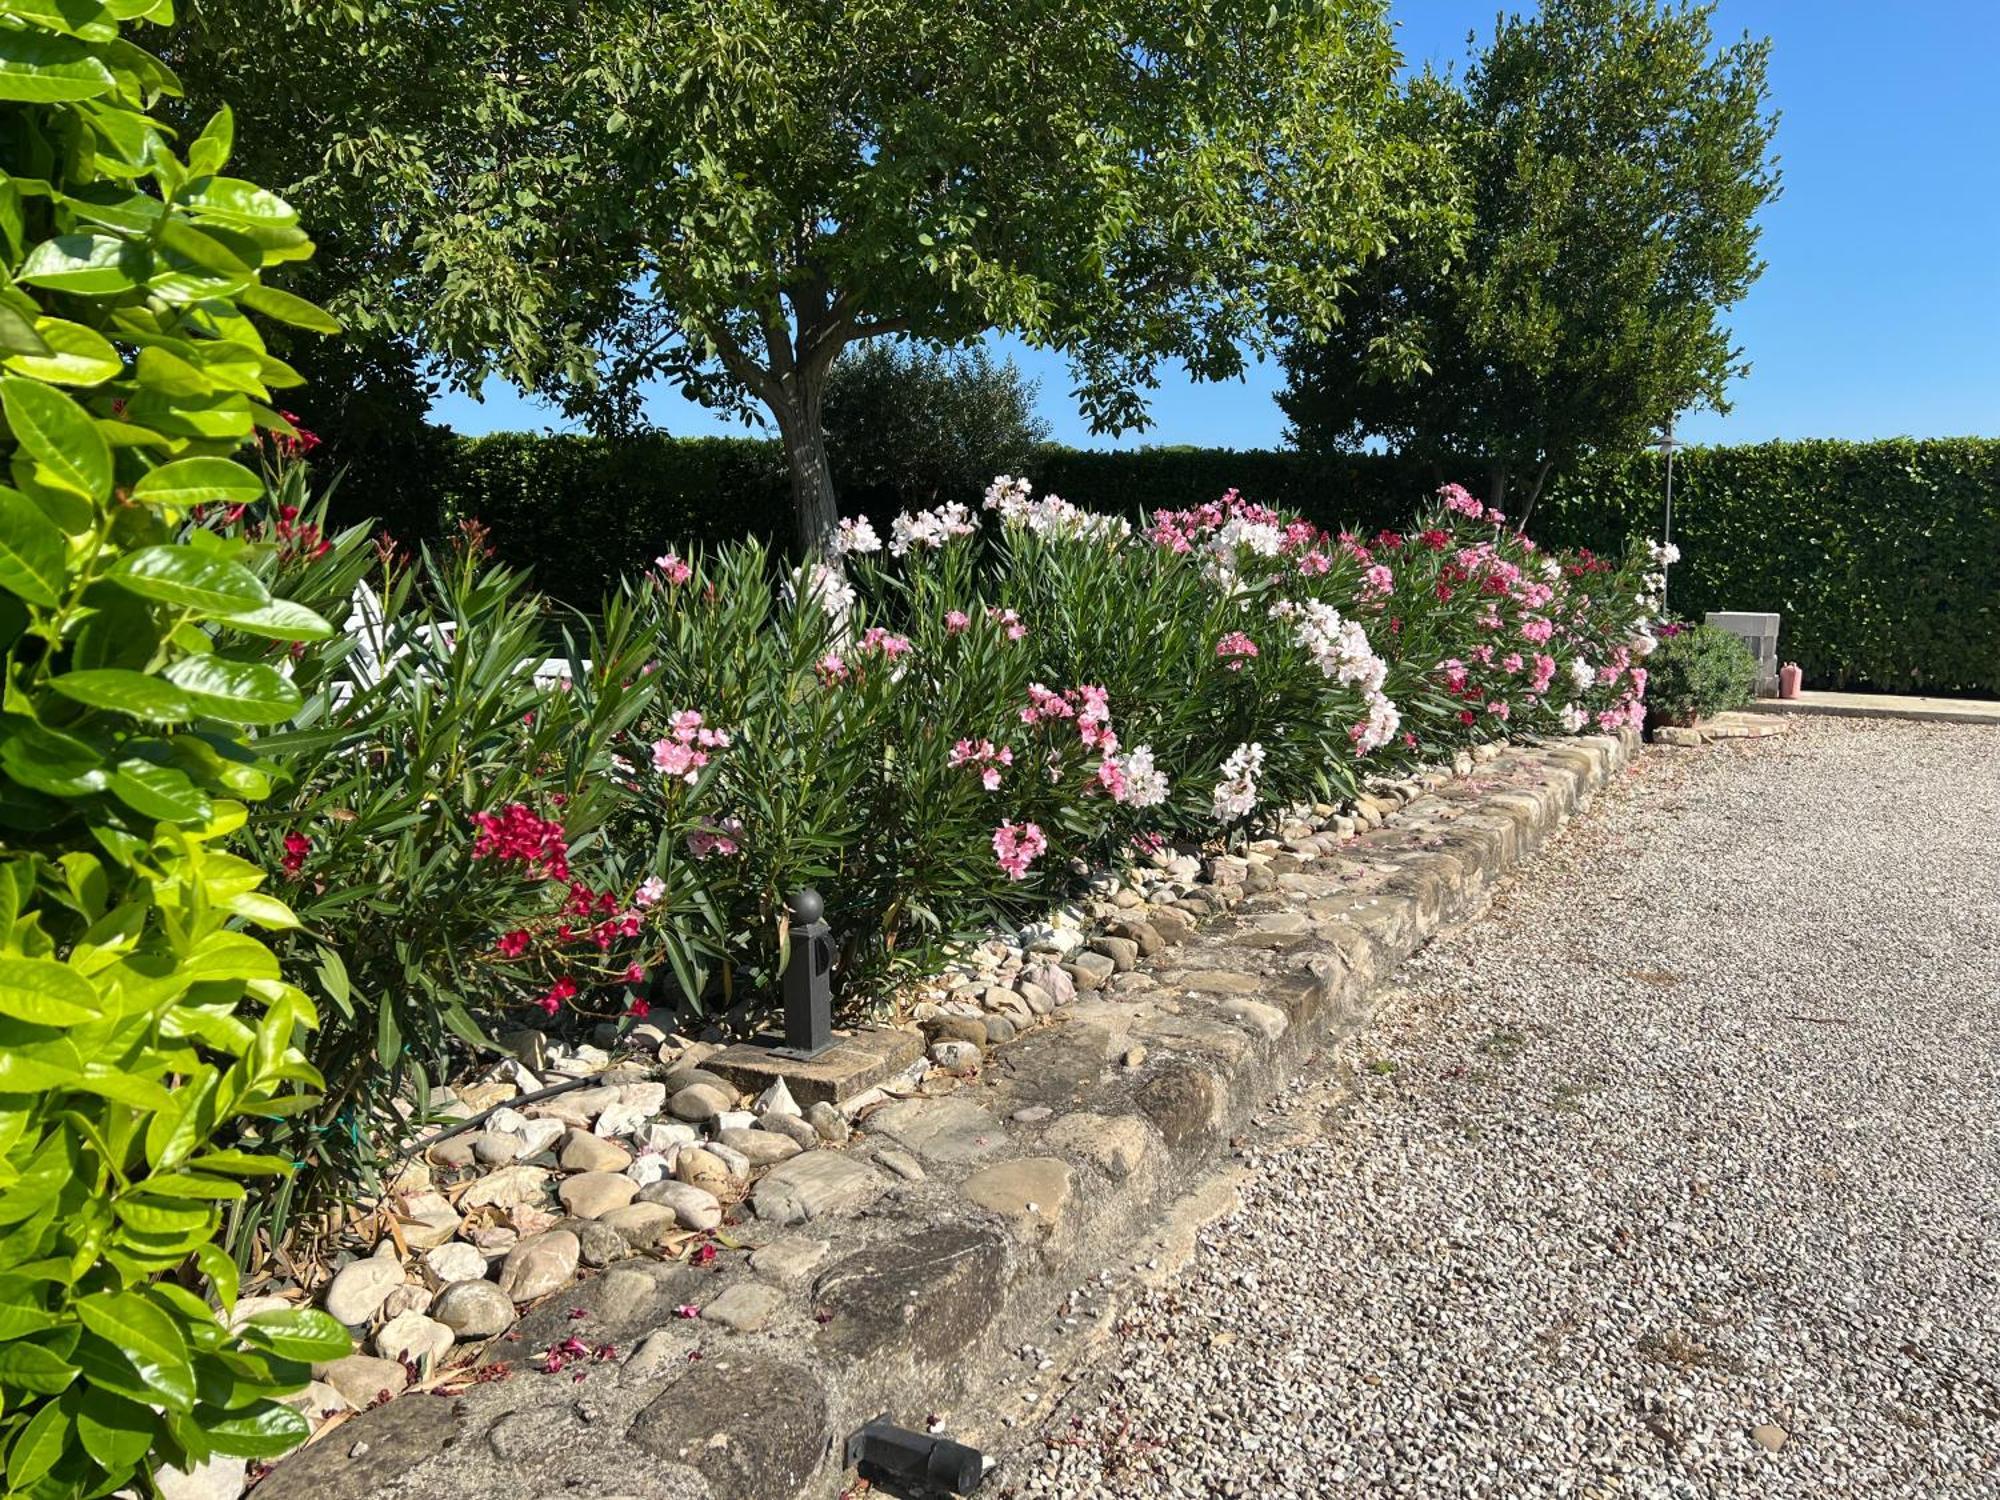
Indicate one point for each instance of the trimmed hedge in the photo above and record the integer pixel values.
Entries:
(1884, 558)
(583, 511)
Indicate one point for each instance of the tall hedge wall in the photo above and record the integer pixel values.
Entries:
(1884, 558)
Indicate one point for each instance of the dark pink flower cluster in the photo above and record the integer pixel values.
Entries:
(516, 835)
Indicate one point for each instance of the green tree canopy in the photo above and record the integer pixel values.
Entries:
(1606, 165)
(727, 193)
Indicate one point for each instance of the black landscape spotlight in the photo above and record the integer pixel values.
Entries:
(808, 978)
(884, 1451)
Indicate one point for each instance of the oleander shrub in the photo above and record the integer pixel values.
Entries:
(1698, 671)
(438, 825)
(149, 1041)
(949, 730)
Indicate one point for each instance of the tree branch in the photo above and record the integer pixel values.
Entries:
(738, 363)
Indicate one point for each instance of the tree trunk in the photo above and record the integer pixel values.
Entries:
(1534, 494)
(814, 511)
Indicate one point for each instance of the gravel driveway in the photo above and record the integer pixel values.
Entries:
(1677, 1174)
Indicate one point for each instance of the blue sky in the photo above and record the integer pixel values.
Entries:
(1878, 315)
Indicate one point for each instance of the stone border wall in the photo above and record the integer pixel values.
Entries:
(951, 1226)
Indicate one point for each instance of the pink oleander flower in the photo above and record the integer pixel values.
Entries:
(713, 838)
(1456, 674)
(1111, 777)
(1511, 662)
(832, 668)
(1008, 621)
(1378, 582)
(1093, 720)
(877, 640)
(677, 761)
(1499, 708)
(672, 568)
(1044, 703)
(1459, 500)
(984, 757)
(1313, 564)
(651, 889)
(1536, 630)
(1017, 847)
(956, 621)
(1545, 673)
(682, 755)
(1299, 535)
(1236, 648)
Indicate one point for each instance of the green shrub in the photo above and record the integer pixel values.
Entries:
(452, 693)
(901, 728)
(907, 427)
(1698, 671)
(147, 1037)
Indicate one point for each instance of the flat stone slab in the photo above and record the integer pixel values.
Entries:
(947, 1130)
(931, 1293)
(751, 1424)
(847, 1067)
(817, 1185)
(1884, 706)
(1034, 1189)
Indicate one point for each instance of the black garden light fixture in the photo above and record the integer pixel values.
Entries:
(808, 978)
(882, 1450)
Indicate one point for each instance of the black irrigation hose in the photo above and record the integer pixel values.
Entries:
(472, 1122)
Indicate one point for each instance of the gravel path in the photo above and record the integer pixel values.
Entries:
(1677, 1174)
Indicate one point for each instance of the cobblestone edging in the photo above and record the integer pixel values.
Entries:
(891, 1274)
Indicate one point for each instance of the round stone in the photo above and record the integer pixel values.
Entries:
(591, 1195)
(703, 1169)
(699, 1101)
(540, 1264)
(474, 1309)
(456, 1261)
(693, 1207)
(360, 1289)
(763, 1148)
(586, 1151)
(414, 1339)
(643, 1225)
